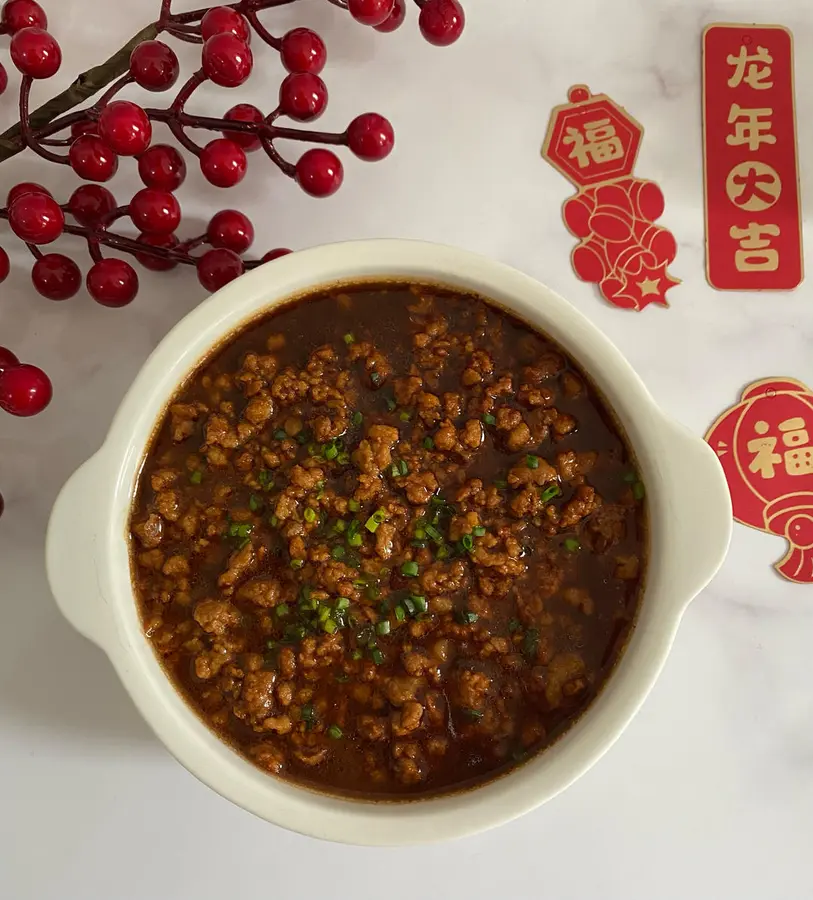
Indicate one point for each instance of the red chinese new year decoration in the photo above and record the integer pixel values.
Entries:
(765, 445)
(753, 211)
(594, 143)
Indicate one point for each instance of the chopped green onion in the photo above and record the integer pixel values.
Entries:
(342, 678)
(353, 505)
(302, 437)
(295, 632)
(254, 503)
(330, 451)
(310, 514)
(410, 569)
(390, 404)
(280, 434)
(630, 477)
(337, 552)
(375, 520)
(355, 540)
(403, 467)
(375, 378)
(385, 607)
(421, 604)
(433, 533)
(501, 485)
(273, 521)
(400, 613)
(282, 610)
(239, 529)
(342, 603)
(489, 419)
(297, 563)
(419, 545)
(478, 531)
(349, 339)
(373, 592)
(549, 493)
(330, 626)
(377, 656)
(357, 654)
(475, 714)
(443, 552)
(308, 715)
(532, 461)
(409, 605)
(429, 443)
(514, 625)
(467, 542)
(334, 731)
(530, 642)
(343, 459)
(196, 477)
(467, 617)
(404, 416)
(340, 526)
(572, 545)
(358, 418)
(383, 627)
(638, 490)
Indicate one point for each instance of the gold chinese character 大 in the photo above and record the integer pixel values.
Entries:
(753, 186)
(750, 127)
(755, 253)
(598, 143)
(752, 69)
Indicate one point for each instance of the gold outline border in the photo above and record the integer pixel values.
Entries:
(800, 231)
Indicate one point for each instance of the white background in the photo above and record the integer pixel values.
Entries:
(709, 793)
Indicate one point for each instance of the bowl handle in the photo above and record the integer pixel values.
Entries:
(71, 548)
(699, 494)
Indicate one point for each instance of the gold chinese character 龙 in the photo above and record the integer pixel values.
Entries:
(765, 460)
(753, 130)
(753, 186)
(599, 143)
(754, 69)
(755, 253)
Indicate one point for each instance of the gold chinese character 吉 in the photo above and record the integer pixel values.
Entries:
(754, 69)
(755, 253)
(599, 143)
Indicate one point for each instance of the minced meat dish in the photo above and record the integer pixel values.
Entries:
(389, 541)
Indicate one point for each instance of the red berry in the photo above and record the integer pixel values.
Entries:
(125, 127)
(223, 20)
(154, 66)
(395, 20)
(442, 21)
(223, 163)
(7, 359)
(303, 96)
(157, 212)
(19, 14)
(36, 218)
(302, 50)
(3, 79)
(276, 254)
(2, 504)
(90, 203)
(36, 53)
(112, 282)
(218, 267)
(25, 187)
(92, 159)
(25, 390)
(244, 112)
(162, 167)
(56, 276)
(227, 60)
(370, 137)
(86, 127)
(5, 265)
(319, 172)
(370, 12)
(167, 241)
(230, 229)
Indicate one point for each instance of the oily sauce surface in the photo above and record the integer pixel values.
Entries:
(388, 542)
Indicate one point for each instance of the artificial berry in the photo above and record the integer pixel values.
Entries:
(7, 359)
(302, 50)
(223, 163)
(370, 12)
(223, 20)
(25, 390)
(154, 66)
(162, 167)
(218, 267)
(92, 159)
(25, 187)
(227, 60)
(303, 96)
(36, 53)
(244, 112)
(276, 254)
(5, 265)
(154, 211)
(19, 14)
(90, 203)
(125, 127)
(85, 127)
(56, 276)
(2, 505)
(36, 218)
(319, 172)
(395, 20)
(112, 282)
(231, 229)
(3, 79)
(442, 21)
(370, 137)
(156, 263)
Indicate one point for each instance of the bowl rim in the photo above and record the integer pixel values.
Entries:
(111, 617)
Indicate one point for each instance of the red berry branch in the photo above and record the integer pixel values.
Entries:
(93, 139)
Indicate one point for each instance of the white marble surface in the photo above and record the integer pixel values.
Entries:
(709, 794)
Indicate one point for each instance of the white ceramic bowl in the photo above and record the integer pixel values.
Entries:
(88, 568)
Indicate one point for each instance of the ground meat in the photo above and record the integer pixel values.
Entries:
(264, 592)
(216, 616)
(150, 531)
(420, 486)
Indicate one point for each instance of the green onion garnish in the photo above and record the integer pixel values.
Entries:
(390, 404)
(400, 613)
(428, 443)
(501, 484)
(572, 545)
(383, 627)
(349, 339)
(357, 655)
(377, 656)
(310, 514)
(514, 625)
(254, 503)
(475, 714)
(433, 533)
(467, 542)
(353, 505)
(375, 520)
(282, 610)
(489, 419)
(297, 563)
(375, 378)
(342, 603)
(410, 569)
(467, 617)
(550, 492)
(532, 461)
(335, 732)
(358, 418)
(404, 416)
(421, 604)
(280, 434)
(308, 715)
(337, 552)
(638, 490)
(478, 531)
(330, 626)
(196, 477)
